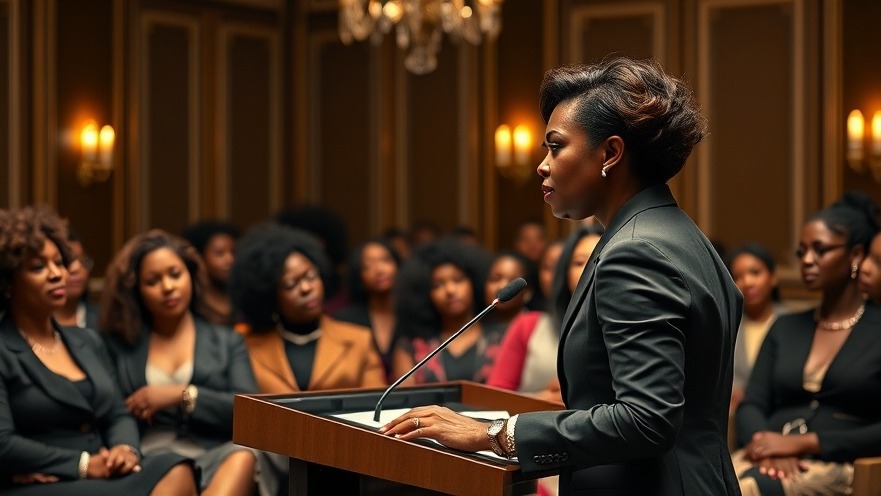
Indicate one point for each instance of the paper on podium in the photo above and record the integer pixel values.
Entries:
(386, 416)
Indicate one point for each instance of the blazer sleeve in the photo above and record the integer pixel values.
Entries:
(20, 455)
(214, 406)
(642, 306)
(508, 369)
(758, 397)
(117, 425)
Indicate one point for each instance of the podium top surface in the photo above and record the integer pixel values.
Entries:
(301, 426)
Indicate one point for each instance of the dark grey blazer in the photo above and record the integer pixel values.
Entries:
(845, 413)
(645, 364)
(221, 369)
(45, 423)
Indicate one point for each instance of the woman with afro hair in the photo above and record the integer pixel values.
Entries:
(278, 286)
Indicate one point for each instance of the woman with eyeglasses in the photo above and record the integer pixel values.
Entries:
(278, 286)
(813, 401)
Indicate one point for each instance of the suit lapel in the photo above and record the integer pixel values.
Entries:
(133, 375)
(330, 353)
(652, 197)
(863, 337)
(268, 353)
(94, 367)
(206, 347)
(52, 384)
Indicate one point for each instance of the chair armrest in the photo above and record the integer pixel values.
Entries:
(867, 476)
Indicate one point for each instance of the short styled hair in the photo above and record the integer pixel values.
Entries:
(655, 114)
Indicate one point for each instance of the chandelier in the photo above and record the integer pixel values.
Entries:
(419, 25)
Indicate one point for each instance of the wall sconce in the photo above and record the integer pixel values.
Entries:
(96, 154)
(514, 151)
(856, 149)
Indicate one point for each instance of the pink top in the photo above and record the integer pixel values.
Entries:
(527, 360)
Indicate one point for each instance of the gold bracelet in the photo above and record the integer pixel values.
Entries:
(188, 400)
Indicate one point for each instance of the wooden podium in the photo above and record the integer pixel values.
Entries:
(332, 456)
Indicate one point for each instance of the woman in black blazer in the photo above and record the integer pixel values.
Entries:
(63, 426)
(645, 357)
(813, 401)
(178, 372)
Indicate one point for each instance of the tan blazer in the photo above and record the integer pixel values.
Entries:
(344, 358)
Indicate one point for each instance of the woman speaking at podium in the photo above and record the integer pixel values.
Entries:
(645, 357)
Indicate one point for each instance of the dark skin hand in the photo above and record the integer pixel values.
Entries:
(115, 462)
(441, 424)
(782, 467)
(778, 455)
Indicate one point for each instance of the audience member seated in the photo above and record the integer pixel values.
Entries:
(870, 272)
(63, 427)
(216, 242)
(373, 267)
(278, 283)
(754, 273)
(399, 240)
(528, 359)
(330, 230)
(438, 292)
(179, 373)
(813, 401)
(530, 239)
(506, 266)
(78, 310)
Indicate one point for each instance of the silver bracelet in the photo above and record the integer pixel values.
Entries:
(83, 468)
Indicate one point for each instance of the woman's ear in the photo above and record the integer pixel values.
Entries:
(613, 151)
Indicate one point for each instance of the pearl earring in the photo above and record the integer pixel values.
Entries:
(605, 168)
(853, 270)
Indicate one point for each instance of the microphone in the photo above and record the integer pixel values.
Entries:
(505, 294)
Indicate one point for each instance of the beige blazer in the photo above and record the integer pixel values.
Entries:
(344, 358)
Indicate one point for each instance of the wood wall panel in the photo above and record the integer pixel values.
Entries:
(519, 72)
(250, 126)
(340, 171)
(431, 132)
(627, 29)
(751, 165)
(861, 77)
(169, 182)
(6, 123)
(84, 92)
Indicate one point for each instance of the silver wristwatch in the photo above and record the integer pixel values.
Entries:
(495, 427)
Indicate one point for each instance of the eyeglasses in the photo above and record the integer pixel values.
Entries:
(819, 250)
(309, 277)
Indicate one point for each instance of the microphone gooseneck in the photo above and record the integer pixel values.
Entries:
(505, 294)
